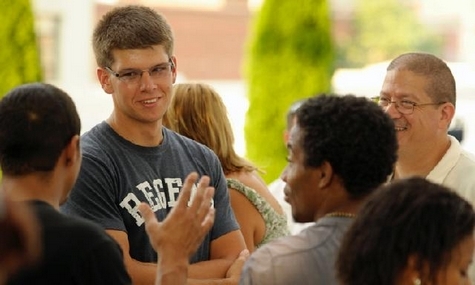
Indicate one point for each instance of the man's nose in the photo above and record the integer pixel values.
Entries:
(146, 80)
(392, 110)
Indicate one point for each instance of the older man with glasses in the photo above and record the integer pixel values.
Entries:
(418, 93)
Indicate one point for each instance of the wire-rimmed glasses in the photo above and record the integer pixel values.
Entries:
(133, 76)
(405, 107)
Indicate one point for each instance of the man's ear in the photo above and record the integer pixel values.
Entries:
(446, 115)
(72, 151)
(174, 70)
(286, 136)
(326, 174)
(105, 79)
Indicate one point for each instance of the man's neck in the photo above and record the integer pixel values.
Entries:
(421, 161)
(30, 187)
(341, 204)
(138, 133)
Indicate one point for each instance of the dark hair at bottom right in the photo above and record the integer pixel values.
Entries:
(409, 217)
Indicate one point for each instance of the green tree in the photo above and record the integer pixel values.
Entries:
(19, 56)
(290, 57)
(383, 29)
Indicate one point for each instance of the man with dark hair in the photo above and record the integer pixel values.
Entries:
(340, 150)
(131, 158)
(40, 159)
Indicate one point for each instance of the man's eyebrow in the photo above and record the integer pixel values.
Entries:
(400, 95)
(161, 64)
(151, 67)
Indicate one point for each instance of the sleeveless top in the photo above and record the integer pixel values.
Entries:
(276, 224)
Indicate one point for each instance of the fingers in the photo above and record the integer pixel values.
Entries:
(202, 202)
(147, 213)
(208, 220)
(243, 255)
(201, 194)
(185, 192)
(234, 272)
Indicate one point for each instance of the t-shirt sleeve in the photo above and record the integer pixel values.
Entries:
(225, 221)
(94, 195)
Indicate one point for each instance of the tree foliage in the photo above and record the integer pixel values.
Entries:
(290, 56)
(383, 29)
(19, 56)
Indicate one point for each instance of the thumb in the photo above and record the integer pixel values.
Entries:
(234, 272)
(243, 255)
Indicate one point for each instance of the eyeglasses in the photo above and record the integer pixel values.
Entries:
(133, 76)
(405, 107)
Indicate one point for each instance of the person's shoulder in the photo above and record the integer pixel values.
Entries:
(177, 140)
(75, 230)
(468, 158)
(79, 228)
(100, 142)
(283, 247)
(95, 132)
(175, 137)
(92, 137)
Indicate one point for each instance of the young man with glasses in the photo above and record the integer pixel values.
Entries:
(418, 93)
(130, 158)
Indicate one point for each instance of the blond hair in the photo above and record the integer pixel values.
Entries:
(198, 112)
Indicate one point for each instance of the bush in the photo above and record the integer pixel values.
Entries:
(290, 56)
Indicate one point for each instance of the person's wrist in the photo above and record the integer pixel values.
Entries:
(173, 258)
(172, 266)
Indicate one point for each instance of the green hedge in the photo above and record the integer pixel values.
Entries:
(19, 56)
(290, 56)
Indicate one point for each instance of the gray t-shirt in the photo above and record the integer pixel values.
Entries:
(306, 258)
(117, 175)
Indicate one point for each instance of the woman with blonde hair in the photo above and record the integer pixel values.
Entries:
(197, 111)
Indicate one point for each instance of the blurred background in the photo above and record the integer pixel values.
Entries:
(213, 40)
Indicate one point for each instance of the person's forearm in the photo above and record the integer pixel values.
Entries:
(225, 281)
(210, 269)
(141, 273)
(172, 271)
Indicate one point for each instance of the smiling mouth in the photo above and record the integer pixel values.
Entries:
(150, 101)
(400, 125)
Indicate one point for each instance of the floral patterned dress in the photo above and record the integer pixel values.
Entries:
(276, 224)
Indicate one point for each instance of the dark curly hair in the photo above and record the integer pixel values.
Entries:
(37, 121)
(409, 217)
(354, 135)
